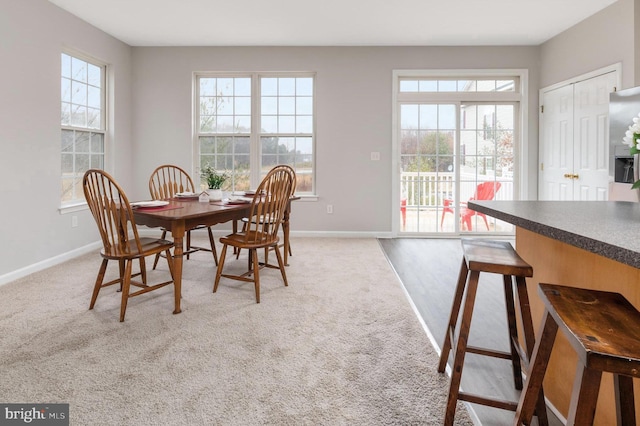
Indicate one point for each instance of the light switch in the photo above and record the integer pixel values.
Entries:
(375, 156)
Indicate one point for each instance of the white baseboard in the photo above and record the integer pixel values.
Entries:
(341, 234)
(47, 263)
(155, 232)
(319, 234)
(555, 411)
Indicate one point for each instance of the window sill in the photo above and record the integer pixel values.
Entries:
(72, 208)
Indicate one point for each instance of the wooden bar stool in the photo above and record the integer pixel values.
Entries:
(604, 330)
(496, 257)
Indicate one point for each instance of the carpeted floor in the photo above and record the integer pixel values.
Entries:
(339, 346)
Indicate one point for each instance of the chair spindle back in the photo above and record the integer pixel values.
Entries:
(269, 205)
(111, 210)
(168, 180)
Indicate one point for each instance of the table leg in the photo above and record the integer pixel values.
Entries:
(285, 231)
(234, 230)
(178, 251)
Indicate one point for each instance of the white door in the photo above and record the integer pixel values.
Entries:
(591, 137)
(574, 145)
(556, 145)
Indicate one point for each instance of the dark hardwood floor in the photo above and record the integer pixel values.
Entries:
(428, 269)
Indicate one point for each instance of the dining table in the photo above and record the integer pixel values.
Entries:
(179, 215)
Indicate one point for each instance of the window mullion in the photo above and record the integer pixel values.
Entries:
(256, 150)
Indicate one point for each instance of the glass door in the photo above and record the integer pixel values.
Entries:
(428, 143)
(487, 156)
(451, 153)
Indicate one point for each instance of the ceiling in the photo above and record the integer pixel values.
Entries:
(332, 22)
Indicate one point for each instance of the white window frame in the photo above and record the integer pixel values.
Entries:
(519, 95)
(77, 204)
(256, 132)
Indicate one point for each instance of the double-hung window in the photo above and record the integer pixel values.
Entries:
(248, 123)
(82, 120)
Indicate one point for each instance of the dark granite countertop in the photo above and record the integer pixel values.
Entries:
(608, 228)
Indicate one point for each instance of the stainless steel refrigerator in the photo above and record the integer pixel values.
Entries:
(624, 105)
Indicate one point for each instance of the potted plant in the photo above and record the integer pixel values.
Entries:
(215, 181)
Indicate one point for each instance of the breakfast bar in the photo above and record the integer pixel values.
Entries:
(586, 244)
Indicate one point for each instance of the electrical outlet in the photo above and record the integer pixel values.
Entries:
(375, 156)
(74, 221)
(329, 208)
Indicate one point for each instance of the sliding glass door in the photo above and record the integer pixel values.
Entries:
(428, 144)
(454, 151)
(486, 162)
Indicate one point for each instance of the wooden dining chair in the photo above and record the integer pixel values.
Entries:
(269, 204)
(245, 220)
(113, 215)
(165, 182)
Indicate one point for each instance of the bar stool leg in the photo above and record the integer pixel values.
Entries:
(513, 331)
(625, 406)
(537, 368)
(530, 341)
(585, 396)
(461, 347)
(525, 312)
(453, 319)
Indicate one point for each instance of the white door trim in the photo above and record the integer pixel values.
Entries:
(521, 180)
(604, 70)
(617, 68)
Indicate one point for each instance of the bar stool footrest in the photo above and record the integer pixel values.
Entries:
(496, 403)
(488, 352)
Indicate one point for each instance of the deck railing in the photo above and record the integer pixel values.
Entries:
(430, 189)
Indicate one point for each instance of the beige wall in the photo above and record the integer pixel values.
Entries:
(600, 40)
(354, 110)
(32, 34)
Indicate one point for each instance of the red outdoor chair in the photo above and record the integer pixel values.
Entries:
(403, 211)
(484, 191)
